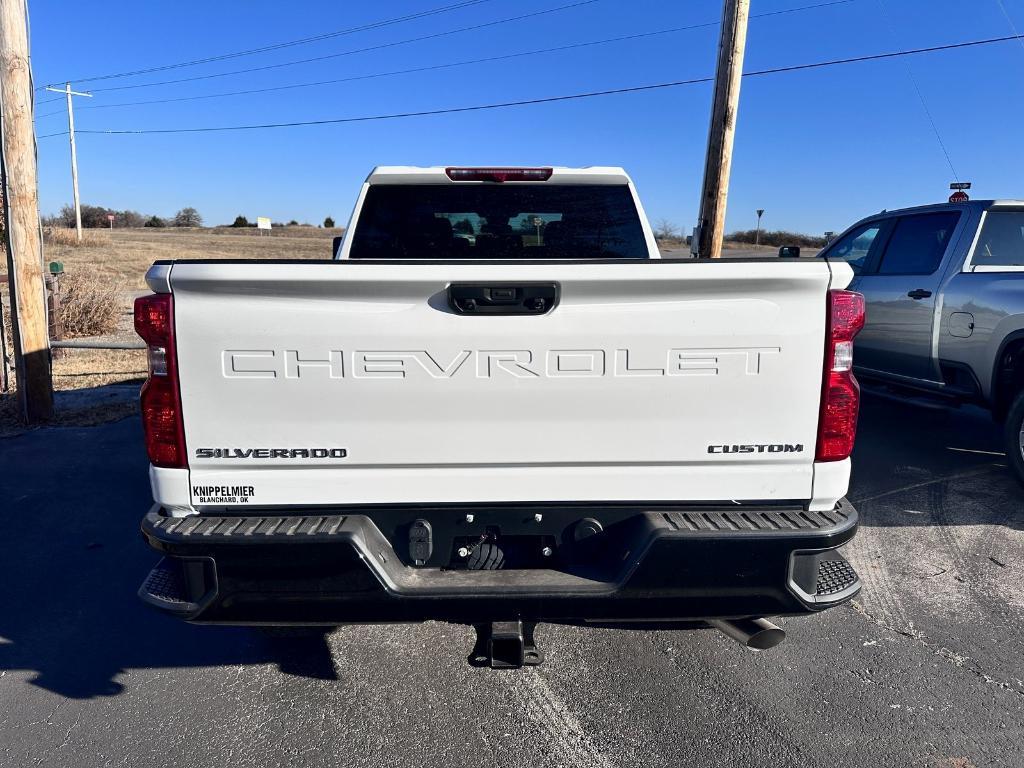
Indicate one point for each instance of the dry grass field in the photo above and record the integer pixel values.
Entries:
(119, 258)
(124, 255)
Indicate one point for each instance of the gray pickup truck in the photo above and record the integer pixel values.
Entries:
(945, 307)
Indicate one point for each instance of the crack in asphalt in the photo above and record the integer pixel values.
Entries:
(956, 659)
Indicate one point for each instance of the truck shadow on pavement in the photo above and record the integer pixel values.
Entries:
(935, 459)
(71, 560)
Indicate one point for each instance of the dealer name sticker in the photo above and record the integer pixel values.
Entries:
(222, 494)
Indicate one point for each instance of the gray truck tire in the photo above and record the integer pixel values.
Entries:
(1014, 436)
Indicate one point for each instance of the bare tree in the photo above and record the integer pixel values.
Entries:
(188, 217)
(129, 219)
(665, 229)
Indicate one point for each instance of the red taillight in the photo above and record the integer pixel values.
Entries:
(498, 174)
(840, 397)
(160, 400)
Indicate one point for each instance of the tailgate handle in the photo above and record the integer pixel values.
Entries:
(502, 298)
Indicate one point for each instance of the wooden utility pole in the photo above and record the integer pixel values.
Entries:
(724, 107)
(24, 247)
(74, 154)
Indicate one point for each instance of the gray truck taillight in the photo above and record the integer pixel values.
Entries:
(840, 396)
(161, 399)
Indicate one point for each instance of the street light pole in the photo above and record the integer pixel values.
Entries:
(66, 90)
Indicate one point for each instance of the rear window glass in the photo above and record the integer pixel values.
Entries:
(498, 221)
(917, 244)
(1001, 242)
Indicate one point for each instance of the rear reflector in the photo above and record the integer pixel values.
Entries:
(498, 174)
(160, 399)
(840, 397)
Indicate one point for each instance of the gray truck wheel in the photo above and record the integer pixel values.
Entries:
(1015, 436)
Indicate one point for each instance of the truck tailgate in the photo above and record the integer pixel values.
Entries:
(327, 383)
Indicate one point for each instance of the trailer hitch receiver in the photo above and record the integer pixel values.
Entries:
(505, 645)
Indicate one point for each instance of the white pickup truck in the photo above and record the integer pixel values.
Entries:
(496, 405)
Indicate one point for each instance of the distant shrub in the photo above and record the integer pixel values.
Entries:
(129, 219)
(69, 237)
(293, 223)
(155, 221)
(329, 222)
(93, 216)
(241, 221)
(89, 306)
(97, 217)
(776, 238)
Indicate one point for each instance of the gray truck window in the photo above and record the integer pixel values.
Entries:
(1001, 242)
(917, 244)
(855, 246)
(498, 221)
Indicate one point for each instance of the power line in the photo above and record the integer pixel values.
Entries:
(1009, 20)
(565, 97)
(450, 65)
(920, 93)
(367, 49)
(288, 43)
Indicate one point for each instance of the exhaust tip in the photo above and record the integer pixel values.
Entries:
(756, 634)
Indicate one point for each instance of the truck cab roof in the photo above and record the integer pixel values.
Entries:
(409, 174)
(945, 206)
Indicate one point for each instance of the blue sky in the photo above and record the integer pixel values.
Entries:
(816, 149)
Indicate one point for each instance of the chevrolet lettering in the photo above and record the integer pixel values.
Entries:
(486, 364)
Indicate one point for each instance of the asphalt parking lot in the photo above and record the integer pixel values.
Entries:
(925, 668)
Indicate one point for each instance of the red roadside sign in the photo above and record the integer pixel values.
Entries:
(959, 197)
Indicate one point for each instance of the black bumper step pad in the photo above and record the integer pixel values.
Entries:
(834, 577)
(823, 578)
(202, 526)
(166, 583)
(181, 586)
(756, 520)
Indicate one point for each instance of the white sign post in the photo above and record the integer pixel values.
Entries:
(263, 222)
(538, 222)
(960, 195)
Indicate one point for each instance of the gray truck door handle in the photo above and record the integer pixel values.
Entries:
(919, 293)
